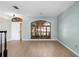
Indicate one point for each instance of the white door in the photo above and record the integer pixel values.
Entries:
(15, 31)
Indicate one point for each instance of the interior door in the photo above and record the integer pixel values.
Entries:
(16, 30)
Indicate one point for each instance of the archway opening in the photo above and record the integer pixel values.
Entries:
(40, 30)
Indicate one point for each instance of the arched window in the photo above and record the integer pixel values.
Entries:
(40, 30)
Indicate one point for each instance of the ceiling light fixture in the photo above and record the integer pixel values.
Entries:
(15, 7)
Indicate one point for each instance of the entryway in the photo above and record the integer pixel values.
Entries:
(16, 28)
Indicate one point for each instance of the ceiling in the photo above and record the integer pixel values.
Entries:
(34, 8)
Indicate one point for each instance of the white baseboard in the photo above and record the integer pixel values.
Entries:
(68, 48)
(40, 40)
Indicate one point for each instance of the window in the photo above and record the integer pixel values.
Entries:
(40, 30)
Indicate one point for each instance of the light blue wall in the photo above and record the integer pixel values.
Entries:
(68, 27)
(27, 25)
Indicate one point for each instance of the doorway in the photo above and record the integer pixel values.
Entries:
(41, 30)
(16, 29)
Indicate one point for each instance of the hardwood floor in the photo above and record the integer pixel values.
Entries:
(37, 49)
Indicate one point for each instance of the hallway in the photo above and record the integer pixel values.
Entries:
(37, 49)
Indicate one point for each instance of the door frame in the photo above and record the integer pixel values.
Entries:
(21, 31)
(18, 19)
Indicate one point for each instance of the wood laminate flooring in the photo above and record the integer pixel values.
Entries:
(37, 49)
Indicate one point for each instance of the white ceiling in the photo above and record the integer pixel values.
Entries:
(35, 8)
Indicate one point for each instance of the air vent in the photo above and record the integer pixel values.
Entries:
(16, 7)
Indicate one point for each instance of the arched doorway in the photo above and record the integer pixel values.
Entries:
(16, 28)
(40, 30)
